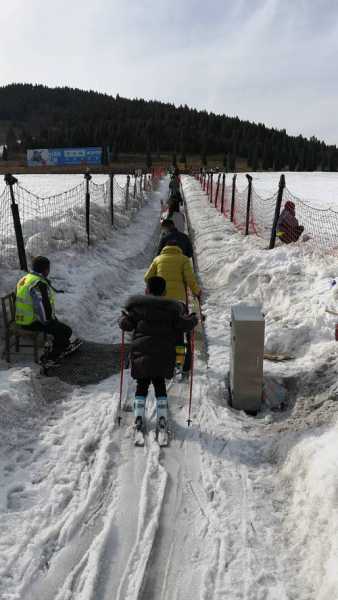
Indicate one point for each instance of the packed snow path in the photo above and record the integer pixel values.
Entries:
(229, 510)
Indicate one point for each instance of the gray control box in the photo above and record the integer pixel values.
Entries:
(246, 357)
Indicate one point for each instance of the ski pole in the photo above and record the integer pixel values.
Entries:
(192, 346)
(121, 376)
(202, 316)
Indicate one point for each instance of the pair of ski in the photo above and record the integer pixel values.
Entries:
(162, 428)
(162, 434)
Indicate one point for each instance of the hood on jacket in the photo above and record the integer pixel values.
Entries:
(144, 300)
(290, 207)
(171, 249)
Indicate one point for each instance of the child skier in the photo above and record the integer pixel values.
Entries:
(177, 271)
(155, 322)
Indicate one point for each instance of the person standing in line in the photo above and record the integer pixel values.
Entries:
(176, 269)
(171, 234)
(173, 213)
(155, 322)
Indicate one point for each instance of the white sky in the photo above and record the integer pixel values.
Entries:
(271, 61)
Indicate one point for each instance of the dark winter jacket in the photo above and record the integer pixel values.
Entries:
(288, 228)
(155, 322)
(181, 240)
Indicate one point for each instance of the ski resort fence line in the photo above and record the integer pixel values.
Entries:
(82, 215)
(253, 214)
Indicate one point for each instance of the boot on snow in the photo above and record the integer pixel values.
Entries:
(139, 411)
(162, 420)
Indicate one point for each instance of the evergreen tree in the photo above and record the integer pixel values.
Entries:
(204, 159)
(61, 117)
(11, 141)
(4, 153)
(254, 159)
(104, 155)
(149, 161)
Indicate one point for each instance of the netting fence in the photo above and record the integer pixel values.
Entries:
(263, 216)
(87, 213)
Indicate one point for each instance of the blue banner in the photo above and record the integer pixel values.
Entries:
(64, 156)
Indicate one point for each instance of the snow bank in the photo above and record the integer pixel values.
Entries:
(270, 486)
(59, 445)
(311, 525)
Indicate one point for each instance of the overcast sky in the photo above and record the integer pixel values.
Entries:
(270, 61)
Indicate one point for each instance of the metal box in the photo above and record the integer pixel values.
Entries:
(246, 357)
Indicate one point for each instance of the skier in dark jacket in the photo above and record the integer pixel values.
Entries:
(155, 322)
(288, 228)
(171, 235)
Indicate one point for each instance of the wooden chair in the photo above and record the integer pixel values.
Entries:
(14, 333)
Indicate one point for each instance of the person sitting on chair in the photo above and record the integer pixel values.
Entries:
(35, 308)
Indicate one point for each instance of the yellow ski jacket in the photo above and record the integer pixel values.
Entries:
(177, 271)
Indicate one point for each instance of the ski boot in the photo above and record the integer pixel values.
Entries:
(47, 363)
(162, 420)
(139, 412)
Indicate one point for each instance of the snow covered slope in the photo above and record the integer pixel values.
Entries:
(237, 507)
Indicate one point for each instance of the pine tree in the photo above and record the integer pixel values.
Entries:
(149, 161)
(11, 141)
(104, 155)
(204, 159)
(254, 163)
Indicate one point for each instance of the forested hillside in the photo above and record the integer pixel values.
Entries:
(40, 117)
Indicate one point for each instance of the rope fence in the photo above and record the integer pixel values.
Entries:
(269, 218)
(32, 224)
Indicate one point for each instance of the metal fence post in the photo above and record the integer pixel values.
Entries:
(207, 186)
(248, 204)
(217, 189)
(87, 177)
(127, 193)
(277, 211)
(223, 190)
(134, 191)
(10, 181)
(233, 197)
(112, 199)
(211, 184)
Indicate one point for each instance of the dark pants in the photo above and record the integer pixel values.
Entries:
(61, 334)
(293, 235)
(158, 383)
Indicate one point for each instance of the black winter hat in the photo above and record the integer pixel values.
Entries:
(40, 263)
(156, 285)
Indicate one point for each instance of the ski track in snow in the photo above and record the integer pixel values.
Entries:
(226, 511)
